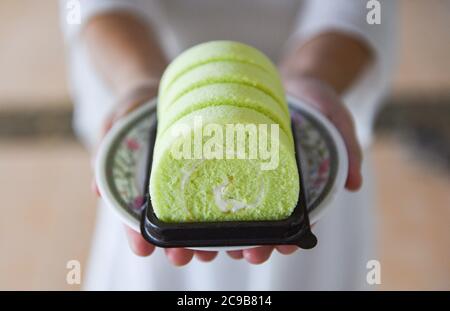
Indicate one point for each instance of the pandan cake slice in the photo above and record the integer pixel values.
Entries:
(208, 189)
(203, 170)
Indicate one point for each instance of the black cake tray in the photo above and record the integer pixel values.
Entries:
(294, 230)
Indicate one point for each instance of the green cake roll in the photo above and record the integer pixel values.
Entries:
(194, 177)
(237, 95)
(223, 72)
(214, 51)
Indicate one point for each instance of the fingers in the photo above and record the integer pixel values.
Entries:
(324, 98)
(354, 178)
(286, 249)
(182, 256)
(235, 254)
(179, 256)
(257, 255)
(137, 243)
(344, 123)
(205, 256)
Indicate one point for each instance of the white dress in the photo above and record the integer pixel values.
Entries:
(346, 243)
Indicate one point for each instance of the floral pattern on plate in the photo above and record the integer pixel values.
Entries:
(127, 165)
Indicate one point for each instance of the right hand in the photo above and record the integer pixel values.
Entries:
(124, 105)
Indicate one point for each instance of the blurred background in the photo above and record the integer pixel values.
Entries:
(47, 208)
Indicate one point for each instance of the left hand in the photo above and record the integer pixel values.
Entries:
(325, 99)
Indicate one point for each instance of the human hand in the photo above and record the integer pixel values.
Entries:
(325, 99)
(314, 92)
(126, 104)
(322, 97)
(178, 256)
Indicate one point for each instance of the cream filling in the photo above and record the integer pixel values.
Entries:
(225, 205)
(234, 205)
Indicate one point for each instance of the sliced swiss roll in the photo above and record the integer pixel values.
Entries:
(224, 149)
(224, 163)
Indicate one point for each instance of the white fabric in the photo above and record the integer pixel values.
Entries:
(338, 262)
(345, 233)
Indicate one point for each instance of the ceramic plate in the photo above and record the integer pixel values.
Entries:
(121, 161)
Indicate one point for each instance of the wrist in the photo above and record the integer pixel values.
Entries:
(137, 88)
(308, 79)
(309, 85)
